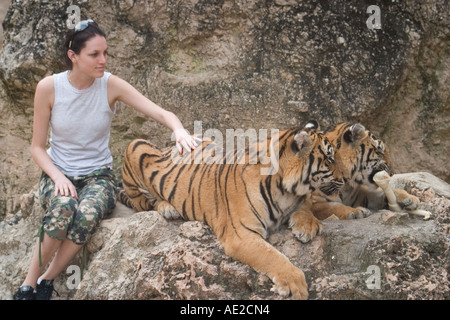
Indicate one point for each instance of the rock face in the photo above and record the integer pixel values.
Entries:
(4, 4)
(142, 256)
(240, 65)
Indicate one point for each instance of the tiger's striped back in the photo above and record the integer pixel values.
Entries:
(200, 190)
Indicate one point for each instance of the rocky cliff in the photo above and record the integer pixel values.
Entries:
(241, 65)
(244, 64)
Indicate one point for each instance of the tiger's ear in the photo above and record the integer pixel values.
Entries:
(301, 143)
(355, 133)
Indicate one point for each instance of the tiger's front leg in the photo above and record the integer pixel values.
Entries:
(253, 250)
(324, 210)
(305, 226)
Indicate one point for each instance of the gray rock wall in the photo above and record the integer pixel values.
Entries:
(244, 64)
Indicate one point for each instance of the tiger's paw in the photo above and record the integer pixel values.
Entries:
(167, 210)
(306, 228)
(347, 213)
(406, 201)
(359, 213)
(291, 284)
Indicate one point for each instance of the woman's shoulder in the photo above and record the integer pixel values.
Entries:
(46, 83)
(45, 89)
(113, 79)
(116, 83)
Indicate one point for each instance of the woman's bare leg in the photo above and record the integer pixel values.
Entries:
(48, 248)
(67, 251)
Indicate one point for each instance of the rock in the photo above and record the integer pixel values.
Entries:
(422, 181)
(4, 4)
(243, 64)
(390, 217)
(142, 256)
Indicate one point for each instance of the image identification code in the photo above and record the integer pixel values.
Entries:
(250, 309)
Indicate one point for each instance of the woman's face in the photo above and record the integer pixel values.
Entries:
(92, 58)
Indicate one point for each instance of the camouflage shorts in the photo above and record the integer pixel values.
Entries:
(77, 219)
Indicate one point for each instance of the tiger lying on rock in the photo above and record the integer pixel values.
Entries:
(239, 203)
(359, 156)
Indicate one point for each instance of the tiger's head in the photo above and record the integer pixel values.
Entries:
(307, 161)
(359, 153)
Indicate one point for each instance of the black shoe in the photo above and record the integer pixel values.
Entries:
(44, 290)
(25, 293)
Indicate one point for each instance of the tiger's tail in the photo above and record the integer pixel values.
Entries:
(134, 193)
(123, 198)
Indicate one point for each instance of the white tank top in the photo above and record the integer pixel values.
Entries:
(80, 124)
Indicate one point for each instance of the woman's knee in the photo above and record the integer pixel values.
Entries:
(59, 217)
(86, 220)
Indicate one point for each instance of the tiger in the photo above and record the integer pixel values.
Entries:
(239, 203)
(360, 155)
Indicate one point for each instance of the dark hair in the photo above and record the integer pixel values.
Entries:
(76, 40)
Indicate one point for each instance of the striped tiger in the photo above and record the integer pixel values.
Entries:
(241, 205)
(359, 155)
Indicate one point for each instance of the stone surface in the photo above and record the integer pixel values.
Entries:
(4, 4)
(142, 256)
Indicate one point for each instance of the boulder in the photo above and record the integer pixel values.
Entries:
(387, 255)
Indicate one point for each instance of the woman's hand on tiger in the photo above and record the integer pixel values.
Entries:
(184, 141)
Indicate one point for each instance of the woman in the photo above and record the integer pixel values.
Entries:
(77, 185)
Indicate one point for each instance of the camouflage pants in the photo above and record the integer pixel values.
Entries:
(77, 219)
